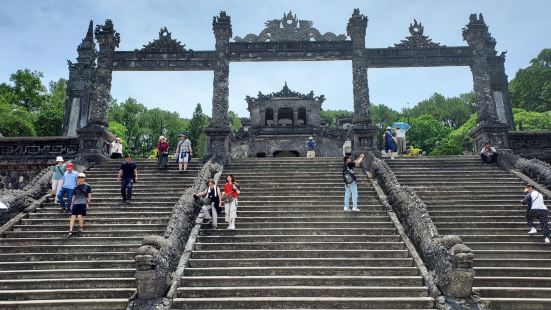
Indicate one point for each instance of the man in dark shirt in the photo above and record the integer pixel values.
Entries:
(128, 175)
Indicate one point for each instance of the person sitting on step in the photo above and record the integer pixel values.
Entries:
(488, 153)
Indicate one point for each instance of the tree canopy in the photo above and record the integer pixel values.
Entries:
(530, 89)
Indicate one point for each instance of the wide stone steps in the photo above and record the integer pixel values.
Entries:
(40, 268)
(481, 204)
(295, 248)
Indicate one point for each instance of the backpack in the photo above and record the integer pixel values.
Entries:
(349, 176)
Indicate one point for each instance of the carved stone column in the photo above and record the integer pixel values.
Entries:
(108, 40)
(80, 86)
(219, 131)
(364, 135)
(95, 137)
(493, 105)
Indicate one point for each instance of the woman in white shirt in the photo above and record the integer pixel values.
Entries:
(536, 209)
(116, 148)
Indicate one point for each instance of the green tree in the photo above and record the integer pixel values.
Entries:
(235, 121)
(453, 143)
(196, 131)
(426, 131)
(50, 117)
(16, 121)
(536, 121)
(329, 117)
(452, 112)
(530, 89)
(27, 90)
(383, 115)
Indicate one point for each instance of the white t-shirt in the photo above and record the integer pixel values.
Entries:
(116, 147)
(537, 201)
(400, 133)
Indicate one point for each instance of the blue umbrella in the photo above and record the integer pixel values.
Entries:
(402, 125)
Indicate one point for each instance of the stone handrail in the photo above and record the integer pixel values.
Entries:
(16, 200)
(536, 169)
(158, 258)
(448, 260)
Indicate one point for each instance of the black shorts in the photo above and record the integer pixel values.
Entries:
(79, 210)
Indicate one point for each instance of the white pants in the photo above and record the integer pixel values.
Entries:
(214, 214)
(56, 187)
(311, 154)
(230, 210)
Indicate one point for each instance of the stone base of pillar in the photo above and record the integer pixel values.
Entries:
(94, 143)
(496, 133)
(365, 138)
(218, 142)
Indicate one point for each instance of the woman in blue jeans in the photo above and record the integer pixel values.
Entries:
(350, 185)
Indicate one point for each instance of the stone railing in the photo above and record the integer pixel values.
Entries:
(531, 144)
(16, 200)
(448, 260)
(536, 169)
(158, 257)
(21, 149)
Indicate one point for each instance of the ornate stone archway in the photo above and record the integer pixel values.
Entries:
(286, 39)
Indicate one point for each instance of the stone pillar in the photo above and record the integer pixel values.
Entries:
(295, 116)
(364, 135)
(80, 86)
(218, 132)
(95, 137)
(276, 117)
(493, 105)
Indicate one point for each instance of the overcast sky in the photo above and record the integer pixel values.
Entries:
(42, 34)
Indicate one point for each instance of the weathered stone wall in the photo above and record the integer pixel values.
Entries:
(253, 145)
(18, 175)
(531, 144)
(158, 257)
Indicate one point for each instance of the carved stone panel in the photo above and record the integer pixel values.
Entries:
(417, 39)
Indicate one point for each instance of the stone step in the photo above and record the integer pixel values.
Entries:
(518, 303)
(512, 262)
(527, 282)
(262, 281)
(63, 240)
(527, 271)
(301, 270)
(90, 227)
(69, 256)
(511, 254)
(76, 294)
(303, 302)
(501, 238)
(303, 225)
(514, 292)
(84, 304)
(62, 248)
(67, 273)
(95, 234)
(92, 220)
(297, 246)
(300, 262)
(72, 264)
(301, 291)
(298, 231)
(510, 245)
(111, 213)
(307, 218)
(67, 283)
(298, 238)
(239, 254)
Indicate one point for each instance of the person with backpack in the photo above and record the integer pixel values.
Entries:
(349, 179)
(57, 177)
(213, 194)
(536, 208)
(81, 202)
(183, 152)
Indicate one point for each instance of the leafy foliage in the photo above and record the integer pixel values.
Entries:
(536, 121)
(195, 129)
(452, 112)
(235, 121)
(426, 131)
(383, 115)
(50, 116)
(329, 117)
(531, 88)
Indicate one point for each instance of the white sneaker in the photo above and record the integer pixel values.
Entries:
(231, 227)
(356, 209)
(546, 240)
(533, 231)
(347, 210)
(392, 158)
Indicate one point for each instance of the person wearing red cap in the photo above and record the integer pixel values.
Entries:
(69, 184)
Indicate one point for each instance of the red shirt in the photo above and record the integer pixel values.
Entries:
(229, 189)
(162, 147)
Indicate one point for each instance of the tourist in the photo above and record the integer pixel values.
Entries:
(347, 148)
(213, 194)
(162, 153)
(536, 209)
(57, 177)
(183, 152)
(350, 184)
(390, 144)
(488, 153)
(231, 192)
(81, 202)
(400, 141)
(69, 184)
(128, 175)
(311, 146)
(116, 148)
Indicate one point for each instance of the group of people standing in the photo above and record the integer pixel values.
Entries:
(229, 196)
(394, 141)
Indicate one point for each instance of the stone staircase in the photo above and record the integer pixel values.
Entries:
(480, 203)
(40, 268)
(295, 248)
